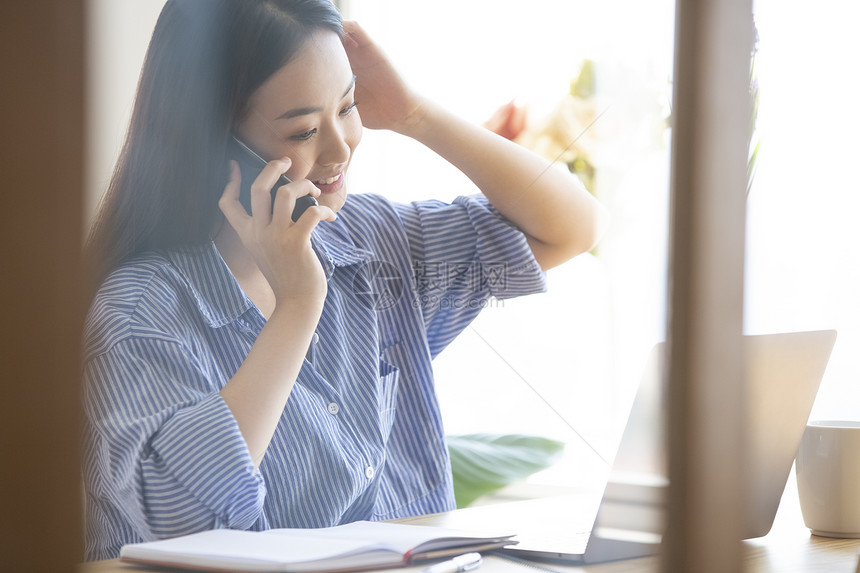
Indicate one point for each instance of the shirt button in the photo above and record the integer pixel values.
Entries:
(333, 408)
(316, 337)
(369, 472)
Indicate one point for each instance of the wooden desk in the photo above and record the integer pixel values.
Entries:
(788, 548)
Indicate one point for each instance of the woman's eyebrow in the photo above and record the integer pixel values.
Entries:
(309, 110)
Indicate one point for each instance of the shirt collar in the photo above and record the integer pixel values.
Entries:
(218, 295)
(335, 247)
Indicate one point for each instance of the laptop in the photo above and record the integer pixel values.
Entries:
(784, 372)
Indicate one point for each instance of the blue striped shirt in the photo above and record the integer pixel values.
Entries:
(361, 435)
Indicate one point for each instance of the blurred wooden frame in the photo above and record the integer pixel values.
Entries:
(710, 135)
(42, 152)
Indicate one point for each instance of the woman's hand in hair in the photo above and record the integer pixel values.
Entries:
(280, 247)
(384, 100)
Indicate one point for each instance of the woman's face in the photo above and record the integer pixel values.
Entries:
(306, 112)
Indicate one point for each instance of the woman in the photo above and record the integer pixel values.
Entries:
(243, 370)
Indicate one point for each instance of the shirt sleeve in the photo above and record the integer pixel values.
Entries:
(464, 253)
(164, 454)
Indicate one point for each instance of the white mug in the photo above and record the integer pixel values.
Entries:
(828, 478)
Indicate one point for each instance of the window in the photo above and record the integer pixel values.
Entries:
(564, 364)
(802, 270)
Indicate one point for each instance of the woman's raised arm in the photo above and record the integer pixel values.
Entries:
(557, 214)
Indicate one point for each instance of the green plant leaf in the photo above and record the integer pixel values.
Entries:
(483, 463)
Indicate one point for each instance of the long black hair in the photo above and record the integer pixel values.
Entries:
(205, 60)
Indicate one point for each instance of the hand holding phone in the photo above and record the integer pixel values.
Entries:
(251, 163)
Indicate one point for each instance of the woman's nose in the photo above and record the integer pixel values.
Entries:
(336, 147)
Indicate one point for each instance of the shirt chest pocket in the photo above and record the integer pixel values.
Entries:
(389, 381)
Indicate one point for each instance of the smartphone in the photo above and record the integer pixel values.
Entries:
(251, 164)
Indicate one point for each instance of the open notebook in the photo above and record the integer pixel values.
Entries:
(356, 546)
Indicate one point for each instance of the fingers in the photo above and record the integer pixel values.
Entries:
(285, 200)
(360, 47)
(311, 218)
(354, 35)
(266, 220)
(261, 190)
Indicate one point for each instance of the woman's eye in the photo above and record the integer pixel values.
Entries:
(306, 135)
(348, 109)
(311, 132)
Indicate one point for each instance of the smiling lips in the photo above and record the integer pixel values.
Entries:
(328, 181)
(331, 184)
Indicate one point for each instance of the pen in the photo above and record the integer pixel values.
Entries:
(465, 562)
